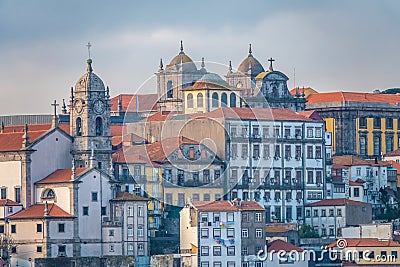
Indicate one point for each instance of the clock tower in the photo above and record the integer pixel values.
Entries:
(90, 122)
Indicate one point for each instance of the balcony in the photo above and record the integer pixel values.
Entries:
(132, 179)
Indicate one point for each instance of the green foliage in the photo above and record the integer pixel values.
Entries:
(391, 91)
(307, 231)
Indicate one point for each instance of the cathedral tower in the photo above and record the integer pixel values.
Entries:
(90, 122)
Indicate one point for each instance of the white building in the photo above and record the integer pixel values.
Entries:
(222, 233)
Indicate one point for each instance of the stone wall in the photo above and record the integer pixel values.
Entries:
(110, 261)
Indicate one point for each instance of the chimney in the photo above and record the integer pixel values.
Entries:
(2, 127)
(237, 202)
(25, 137)
(46, 210)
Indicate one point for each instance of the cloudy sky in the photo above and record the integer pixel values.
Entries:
(332, 45)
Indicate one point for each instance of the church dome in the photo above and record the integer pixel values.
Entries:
(182, 58)
(250, 63)
(89, 81)
(210, 80)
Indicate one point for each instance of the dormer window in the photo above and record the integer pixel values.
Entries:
(48, 194)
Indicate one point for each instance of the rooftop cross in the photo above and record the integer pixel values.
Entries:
(270, 63)
(55, 105)
(88, 47)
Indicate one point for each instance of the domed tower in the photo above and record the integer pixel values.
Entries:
(180, 73)
(244, 78)
(90, 122)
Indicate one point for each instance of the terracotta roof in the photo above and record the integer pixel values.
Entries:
(162, 116)
(349, 160)
(37, 211)
(13, 141)
(35, 127)
(311, 114)
(8, 202)
(307, 91)
(159, 151)
(367, 242)
(395, 165)
(276, 229)
(60, 176)
(125, 196)
(254, 113)
(280, 245)
(353, 183)
(336, 202)
(225, 205)
(353, 97)
(147, 102)
(133, 154)
(393, 153)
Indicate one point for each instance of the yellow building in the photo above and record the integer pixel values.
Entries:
(364, 124)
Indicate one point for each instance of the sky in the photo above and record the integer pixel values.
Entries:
(337, 45)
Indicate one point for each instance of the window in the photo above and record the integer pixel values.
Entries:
(266, 131)
(339, 212)
(224, 100)
(94, 196)
(140, 230)
(330, 212)
(234, 151)
(245, 233)
(61, 227)
(231, 251)
(389, 123)
(200, 100)
(277, 153)
(217, 264)
(216, 217)
(103, 211)
(169, 89)
(288, 153)
(10, 209)
(205, 251)
(315, 213)
(230, 232)
(308, 213)
(258, 217)
(318, 177)
(189, 100)
(309, 132)
(216, 232)
(140, 211)
(394, 254)
(331, 232)
(362, 122)
(258, 233)
(111, 248)
(39, 249)
(3, 193)
(99, 126)
(1, 229)
(356, 192)
(323, 213)
(289, 216)
(110, 232)
(245, 251)
(377, 123)
(389, 143)
(18, 194)
(231, 264)
(39, 227)
(85, 211)
(230, 217)
(309, 152)
(318, 152)
(266, 151)
(130, 230)
(130, 247)
(318, 132)
(277, 196)
(130, 211)
(215, 100)
(377, 145)
(217, 250)
(363, 145)
(310, 177)
(204, 233)
(195, 197)
(204, 264)
(323, 232)
(232, 100)
(140, 248)
(206, 197)
(244, 151)
(78, 127)
(256, 151)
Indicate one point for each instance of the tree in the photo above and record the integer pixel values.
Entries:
(7, 243)
(306, 231)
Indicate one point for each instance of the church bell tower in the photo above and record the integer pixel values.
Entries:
(90, 122)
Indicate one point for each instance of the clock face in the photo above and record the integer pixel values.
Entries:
(239, 85)
(78, 105)
(98, 106)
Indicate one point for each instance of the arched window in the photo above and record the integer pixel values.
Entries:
(169, 89)
(215, 100)
(189, 99)
(99, 126)
(232, 100)
(224, 100)
(200, 100)
(48, 193)
(78, 127)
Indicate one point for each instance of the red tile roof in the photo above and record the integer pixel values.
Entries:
(125, 196)
(367, 242)
(353, 97)
(8, 202)
(159, 151)
(147, 102)
(37, 211)
(307, 91)
(311, 114)
(162, 116)
(133, 154)
(280, 245)
(393, 153)
(336, 202)
(225, 205)
(355, 183)
(13, 141)
(254, 113)
(349, 160)
(60, 176)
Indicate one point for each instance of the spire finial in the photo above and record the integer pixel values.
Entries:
(88, 48)
(250, 51)
(89, 67)
(230, 66)
(270, 64)
(161, 64)
(55, 119)
(64, 107)
(202, 62)
(181, 46)
(108, 92)
(25, 137)
(46, 209)
(120, 103)
(2, 126)
(72, 93)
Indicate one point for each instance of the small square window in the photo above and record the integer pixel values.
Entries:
(103, 211)
(110, 232)
(61, 227)
(13, 228)
(39, 249)
(39, 227)
(85, 211)
(94, 196)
